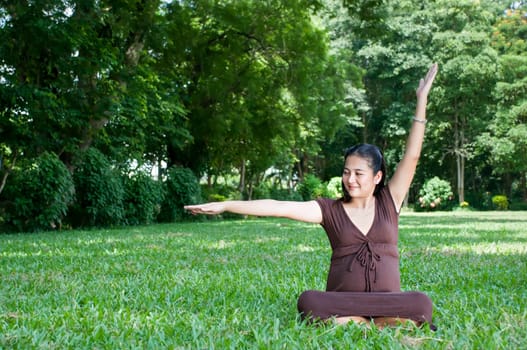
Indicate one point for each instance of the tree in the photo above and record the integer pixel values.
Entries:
(414, 34)
(258, 86)
(339, 19)
(73, 71)
(393, 60)
(506, 138)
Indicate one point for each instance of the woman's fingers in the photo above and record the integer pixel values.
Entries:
(207, 208)
(425, 84)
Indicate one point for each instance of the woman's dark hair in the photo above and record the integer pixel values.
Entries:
(375, 160)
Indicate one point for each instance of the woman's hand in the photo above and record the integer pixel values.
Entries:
(212, 208)
(425, 84)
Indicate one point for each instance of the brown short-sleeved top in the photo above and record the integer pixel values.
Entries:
(362, 263)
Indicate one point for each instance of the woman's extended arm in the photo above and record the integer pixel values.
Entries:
(301, 211)
(402, 178)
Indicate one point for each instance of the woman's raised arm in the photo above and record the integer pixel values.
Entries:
(402, 178)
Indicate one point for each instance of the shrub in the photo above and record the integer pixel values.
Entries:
(39, 195)
(181, 188)
(143, 198)
(463, 206)
(311, 187)
(262, 190)
(100, 192)
(274, 191)
(500, 202)
(479, 200)
(518, 205)
(284, 194)
(217, 198)
(334, 187)
(224, 191)
(435, 194)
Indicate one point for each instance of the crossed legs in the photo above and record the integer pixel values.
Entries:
(386, 309)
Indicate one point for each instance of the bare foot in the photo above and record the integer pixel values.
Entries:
(354, 319)
(381, 322)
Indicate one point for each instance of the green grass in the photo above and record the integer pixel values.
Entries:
(234, 284)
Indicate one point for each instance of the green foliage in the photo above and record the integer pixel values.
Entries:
(215, 197)
(100, 192)
(311, 187)
(518, 205)
(219, 192)
(272, 190)
(39, 194)
(243, 85)
(71, 70)
(480, 200)
(261, 191)
(500, 202)
(143, 198)
(284, 194)
(436, 194)
(181, 188)
(463, 206)
(334, 187)
(505, 142)
(261, 85)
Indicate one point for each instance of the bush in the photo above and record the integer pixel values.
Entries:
(500, 202)
(436, 194)
(227, 192)
(181, 188)
(100, 192)
(518, 205)
(272, 191)
(334, 187)
(284, 194)
(463, 206)
(143, 198)
(262, 190)
(217, 198)
(39, 195)
(311, 187)
(480, 200)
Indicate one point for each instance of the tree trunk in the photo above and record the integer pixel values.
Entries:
(460, 162)
(459, 141)
(8, 171)
(241, 186)
(250, 191)
(364, 128)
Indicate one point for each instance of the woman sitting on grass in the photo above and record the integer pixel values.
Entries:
(363, 281)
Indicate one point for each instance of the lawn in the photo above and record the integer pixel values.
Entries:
(234, 284)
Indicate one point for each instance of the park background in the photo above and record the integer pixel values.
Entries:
(119, 112)
(113, 114)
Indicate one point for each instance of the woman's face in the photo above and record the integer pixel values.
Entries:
(358, 177)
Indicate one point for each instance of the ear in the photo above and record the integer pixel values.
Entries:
(378, 177)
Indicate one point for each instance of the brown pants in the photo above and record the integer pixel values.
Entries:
(320, 305)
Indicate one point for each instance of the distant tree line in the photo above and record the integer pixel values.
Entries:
(112, 111)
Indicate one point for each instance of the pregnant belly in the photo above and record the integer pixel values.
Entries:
(347, 274)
